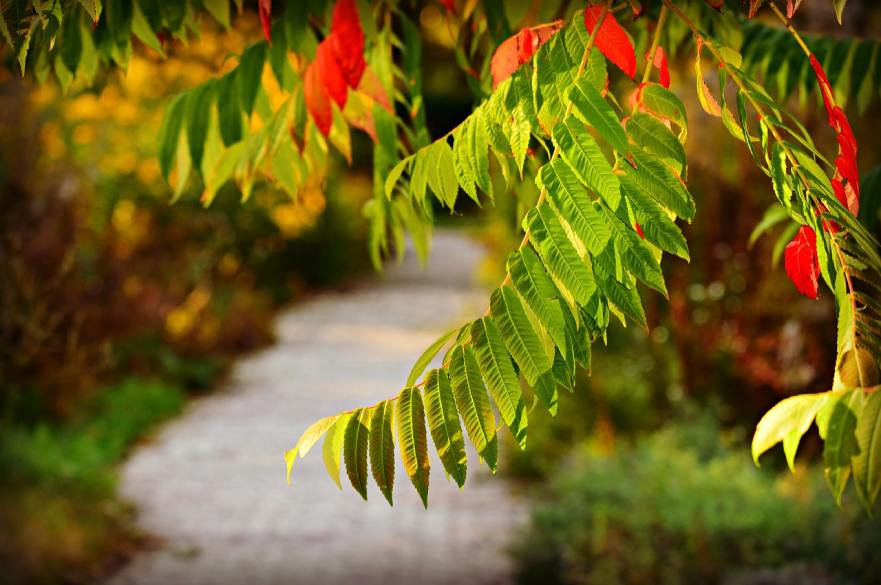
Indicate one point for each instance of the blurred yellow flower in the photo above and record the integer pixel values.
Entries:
(228, 265)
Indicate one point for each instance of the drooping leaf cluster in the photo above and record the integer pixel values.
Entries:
(577, 269)
(610, 170)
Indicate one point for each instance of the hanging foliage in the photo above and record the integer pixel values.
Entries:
(612, 186)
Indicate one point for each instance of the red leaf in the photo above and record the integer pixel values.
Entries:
(638, 229)
(330, 73)
(801, 262)
(347, 39)
(450, 5)
(660, 63)
(519, 48)
(846, 162)
(791, 7)
(265, 8)
(825, 88)
(612, 40)
(317, 98)
(845, 133)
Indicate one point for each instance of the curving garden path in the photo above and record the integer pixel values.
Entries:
(211, 485)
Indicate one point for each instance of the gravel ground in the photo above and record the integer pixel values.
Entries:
(211, 485)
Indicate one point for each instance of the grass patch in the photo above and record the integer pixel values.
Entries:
(60, 519)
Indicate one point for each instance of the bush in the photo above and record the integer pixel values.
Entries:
(59, 517)
(681, 506)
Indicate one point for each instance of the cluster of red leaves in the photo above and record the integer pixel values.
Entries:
(611, 39)
(846, 181)
(518, 49)
(801, 253)
(338, 65)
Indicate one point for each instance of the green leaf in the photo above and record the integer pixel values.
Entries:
(309, 437)
(625, 297)
(593, 109)
(501, 379)
(413, 440)
(118, 15)
(585, 159)
(478, 151)
(441, 173)
(839, 8)
(786, 422)
(657, 226)
(93, 8)
(775, 214)
(518, 133)
(545, 389)
(428, 355)
(355, 445)
(221, 171)
(198, 112)
(653, 135)
(572, 201)
(394, 176)
(837, 421)
(219, 9)
(664, 104)
(71, 40)
(780, 180)
(553, 74)
(576, 38)
(472, 401)
(560, 257)
(522, 341)
(332, 449)
(229, 109)
(170, 131)
(443, 420)
(867, 463)
(145, 33)
(465, 173)
(662, 183)
(537, 289)
(248, 75)
(382, 448)
(744, 125)
(635, 255)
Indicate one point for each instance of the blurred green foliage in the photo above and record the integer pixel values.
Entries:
(685, 505)
(59, 516)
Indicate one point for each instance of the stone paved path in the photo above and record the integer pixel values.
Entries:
(211, 485)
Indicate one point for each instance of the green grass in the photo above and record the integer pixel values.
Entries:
(57, 493)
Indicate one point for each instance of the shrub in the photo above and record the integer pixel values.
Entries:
(682, 506)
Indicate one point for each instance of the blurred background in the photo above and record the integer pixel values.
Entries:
(119, 306)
